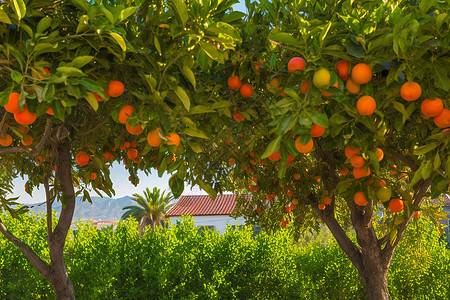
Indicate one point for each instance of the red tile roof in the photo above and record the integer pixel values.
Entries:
(201, 205)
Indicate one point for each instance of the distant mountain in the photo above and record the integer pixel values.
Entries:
(100, 209)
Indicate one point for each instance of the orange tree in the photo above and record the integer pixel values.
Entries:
(84, 84)
(339, 110)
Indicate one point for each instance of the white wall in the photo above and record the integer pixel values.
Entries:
(218, 221)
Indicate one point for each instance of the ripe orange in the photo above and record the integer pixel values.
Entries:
(352, 87)
(13, 103)
(357, 161)
(327, 200)
(360, 199)
(25, 117)
(295, 201)
(246, 90)
(82, 158)
(238, 116)
(289, 193)
(133, 144)
(125, 113)
(153, 138)
(317, 130)
(234, 82)
(396, 205)
(416, 214)
(173, 139)
(366, 105)
(93, 176)
(443, 119)
(274, 83)
(305, 87)
(325, 94)
(350, 151)
(27, 140)
(6, 141)
(275, 156)
(231, 162)
(343, 67)
(50, 111)
(321, 206)
(134, 130)
(296, 176)
(361, 73)
(344, 171)
(98, 97)
(432, 107)
(115, 89)
(109, 155)
(296, 63)
(410, 91)
(361, 172)
(132, 153)
(303, 148)
(379, 153)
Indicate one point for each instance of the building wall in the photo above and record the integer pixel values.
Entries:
(218, 221)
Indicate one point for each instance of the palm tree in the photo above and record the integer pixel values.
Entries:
(151, 208)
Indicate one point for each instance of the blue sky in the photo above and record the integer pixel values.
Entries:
(119, 175)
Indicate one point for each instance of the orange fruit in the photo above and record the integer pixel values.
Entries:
(125, 113)
(366, 105)
(234, 82)
(303, 148)
(108, 155)
(361, 73)
(326, 94)
(231, 162)
(322, 78)
(343, 67)
(296, 63)
(361, 172)
(396, 205)
(98, 97)
(6, 141)
(173, 139)
(357, 161)
(321, 206)
(443, 119)
(416, 214)
(274, 83)
(82, 158)
(153, 138)
(410, 91)
(327, 200)
(93, 176)
(246, 90)
(305, 87)
(380, 183)
(50, 111)
(432, 107)
(295, 201)
(317, 130)
(379, 153)
(360, 199)
(289, 193)
(132, 153)
(344, 171)
(238, 116)
(350, 151)
(115, 89)
(134, 130)
(27, 140)
(296, 176)
(25, 117)
(13, 103)
(127, 144)
(275, 156)
(352, 87)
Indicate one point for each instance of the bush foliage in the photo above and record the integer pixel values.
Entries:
(183, 263)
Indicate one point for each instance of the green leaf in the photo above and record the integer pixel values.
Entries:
(119, 39)
(70, 71)
(107, 14)
(125, 13)
(20, 8)
(195, 147)
(447, 166)
(92, 101)
(319, 118)
(273, 147)
(354, 49)
(162, 167)
(176, 186)
(425, 5)
(440, 77)
(212, 52)
(183, 97)
(425, 149)
(374, 159)
(80, 61)
(16, 76)
(82, 24)
(324, 32)
(221, 104)
(426, 170)
(189, 74)
(44, 24)
(393, 236)
(283, 37)
(195, 132)
(157, 44)
(4, 17)
(292, 93)
(182, 11)
(207, 188)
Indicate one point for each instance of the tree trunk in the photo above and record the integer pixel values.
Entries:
(375, 280)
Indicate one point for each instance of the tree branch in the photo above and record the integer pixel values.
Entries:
(399, 156)
(49, 208)
(39, 264)
(41, 144)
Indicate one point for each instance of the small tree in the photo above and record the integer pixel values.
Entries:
(151, 208)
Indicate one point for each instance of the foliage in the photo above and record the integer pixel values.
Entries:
(181, 263)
